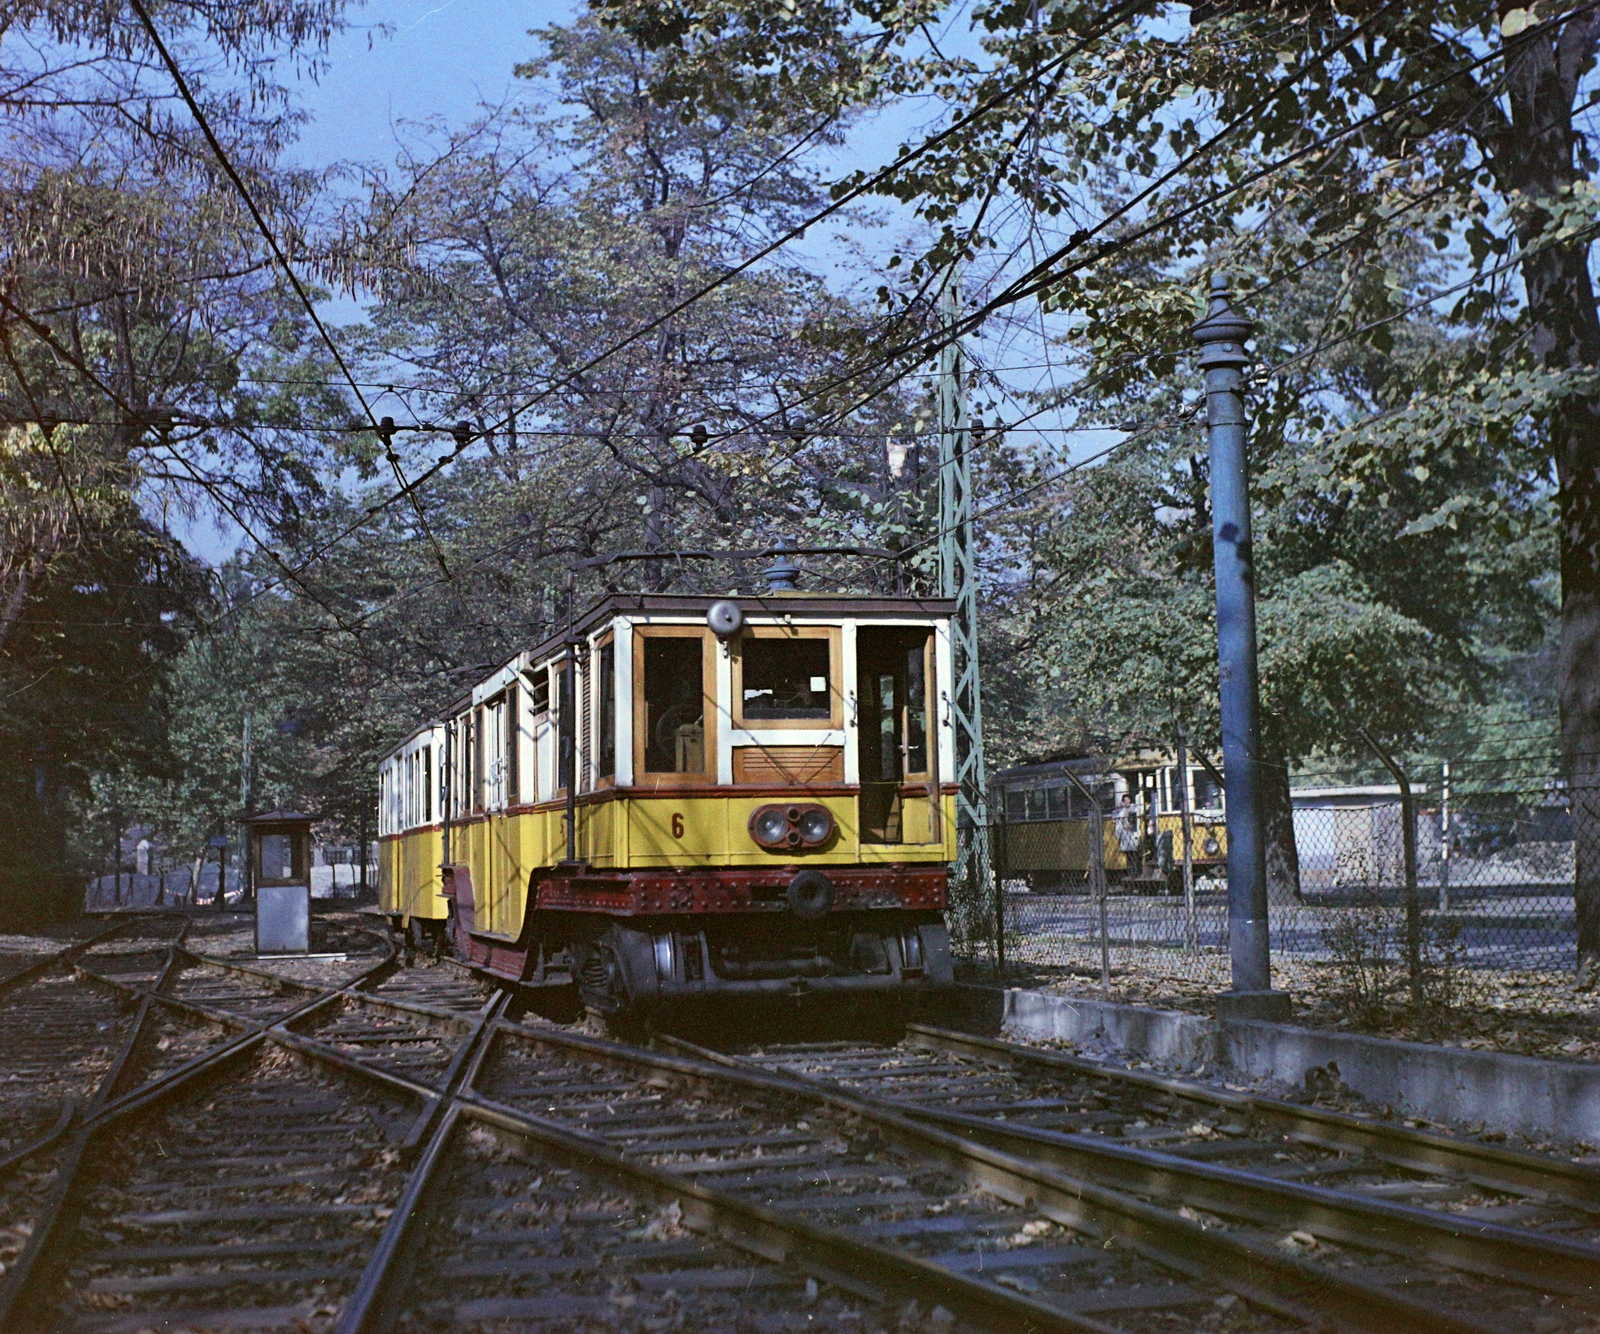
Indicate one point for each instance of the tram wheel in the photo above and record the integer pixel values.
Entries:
(603, 987)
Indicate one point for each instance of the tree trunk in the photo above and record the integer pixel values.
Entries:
(1535, 159)
(1578, 469)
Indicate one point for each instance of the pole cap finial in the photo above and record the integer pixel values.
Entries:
(1222, 333)
(782, 574)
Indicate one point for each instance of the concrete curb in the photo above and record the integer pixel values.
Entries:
(1516, 1094)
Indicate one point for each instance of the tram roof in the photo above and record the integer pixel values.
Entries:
(801, 603)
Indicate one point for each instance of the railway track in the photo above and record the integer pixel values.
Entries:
(65, 1035)
(1490, 1233)
(398, 1154)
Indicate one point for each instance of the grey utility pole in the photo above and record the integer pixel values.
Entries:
(1222, 336)
(958, 580)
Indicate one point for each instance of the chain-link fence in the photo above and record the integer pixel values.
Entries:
(1477, 910)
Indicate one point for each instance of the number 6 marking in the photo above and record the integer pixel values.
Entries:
(677, 824)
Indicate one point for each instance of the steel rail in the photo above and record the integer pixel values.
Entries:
(56, 958)
(372, 1305)
(21, 1272)
(1260, 1274)
(862, 1267)
(824, 1254)
(111, 1110)
(70, 1107)
(1511, 1170)
(1517, 1255)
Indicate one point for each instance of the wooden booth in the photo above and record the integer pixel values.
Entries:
(280, 870)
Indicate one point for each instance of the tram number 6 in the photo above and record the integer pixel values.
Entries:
(677, 824)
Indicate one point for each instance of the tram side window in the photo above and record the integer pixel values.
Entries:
(427, 785)
(479, 771)
(565, 739)
(786, 678)
(606, 758)
(513, 746)
(674, 706)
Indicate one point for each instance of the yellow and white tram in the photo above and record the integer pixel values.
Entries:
(688, 796)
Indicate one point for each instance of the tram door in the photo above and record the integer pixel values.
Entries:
(893, 709)
(500, 849)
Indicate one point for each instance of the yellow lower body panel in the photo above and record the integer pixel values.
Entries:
(648, 832)
(408, 875)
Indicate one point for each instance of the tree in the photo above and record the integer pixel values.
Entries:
(1142, 146)
(150, 361)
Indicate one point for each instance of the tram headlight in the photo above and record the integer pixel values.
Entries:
(791, 828)
(770, 827)
(815, 826)
(1211, 846)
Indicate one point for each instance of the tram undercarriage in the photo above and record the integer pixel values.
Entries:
(809, 941)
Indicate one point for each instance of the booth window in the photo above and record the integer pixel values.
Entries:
(674, 705)
(786, 678)
(607, 704)
(279, 860)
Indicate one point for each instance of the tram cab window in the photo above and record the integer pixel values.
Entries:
(1207, 795)
(786, 679)
(674, 698)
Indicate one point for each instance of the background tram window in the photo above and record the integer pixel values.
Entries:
(1055, 801)
(674, 706)
(606, 751)
(427, 785)
(786, 678)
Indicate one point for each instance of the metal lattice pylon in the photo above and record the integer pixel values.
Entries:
(958, 580)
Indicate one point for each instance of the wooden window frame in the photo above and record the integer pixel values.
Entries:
(708, 686)
(833, 722)
(606, 642)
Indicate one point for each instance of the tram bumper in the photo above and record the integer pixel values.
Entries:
(665, 961)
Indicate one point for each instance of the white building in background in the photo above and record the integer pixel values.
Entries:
(1350, 837)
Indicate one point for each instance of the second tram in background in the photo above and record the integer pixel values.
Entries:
(691, 797)
(1043, 833)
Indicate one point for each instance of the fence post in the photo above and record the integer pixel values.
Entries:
(1097, 876)
(1408, 851)
(997, 863)
(1444, 838)
(1186, 819)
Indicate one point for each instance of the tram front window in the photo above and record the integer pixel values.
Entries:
(786, 678)
(674, 706)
